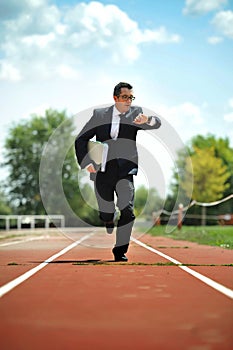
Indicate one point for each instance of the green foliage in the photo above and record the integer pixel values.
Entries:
(89, 212)
(209, 235)
(212, 161)
(210, 175)
(147, 201)
(5, 209)
(23, 150)
(220, 152)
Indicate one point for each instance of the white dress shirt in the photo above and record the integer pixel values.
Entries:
(115, 123)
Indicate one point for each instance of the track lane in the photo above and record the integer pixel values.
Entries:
(214, 262)
(213, 284)
(77, 302)
(6, 288)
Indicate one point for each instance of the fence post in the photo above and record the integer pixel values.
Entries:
(180, 215)
(203, 216)
(63, 221)
(47, 222)
(156, 219)
(19, 222)
(32, 223)
(7, 223)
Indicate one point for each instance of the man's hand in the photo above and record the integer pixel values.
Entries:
(141, 119)
(91, 168)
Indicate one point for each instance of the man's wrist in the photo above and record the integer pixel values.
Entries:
(88, 165)
(151, 121)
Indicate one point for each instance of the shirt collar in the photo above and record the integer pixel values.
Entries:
(116, 112)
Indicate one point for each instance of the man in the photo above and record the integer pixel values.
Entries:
(117, 126)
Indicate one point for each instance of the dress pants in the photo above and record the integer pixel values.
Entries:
(107, 184)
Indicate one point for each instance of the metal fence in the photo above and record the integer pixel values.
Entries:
(177, 216)
(32, 220)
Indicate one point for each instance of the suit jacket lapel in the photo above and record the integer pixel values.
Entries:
(131, 114)
(107, 122)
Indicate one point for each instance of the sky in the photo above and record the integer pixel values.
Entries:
(68, 55)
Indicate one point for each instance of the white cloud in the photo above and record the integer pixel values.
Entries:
(200, 7)
(9, 72)
(213, 40)
(228, 117)
(66, 72)
(38, 110)
(230, 102)
(159, 36)
(186, 113)
(12, 8)
(186, 118)
(223, 21)
(40, 39)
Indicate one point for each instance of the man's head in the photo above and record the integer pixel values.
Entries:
(123, 96)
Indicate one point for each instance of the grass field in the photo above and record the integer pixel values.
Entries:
(221, 236)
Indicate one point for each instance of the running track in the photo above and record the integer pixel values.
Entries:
(62, 294)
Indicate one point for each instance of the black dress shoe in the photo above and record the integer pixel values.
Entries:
(121, 258)
(109, 227)
(110, 224)
(119, 254)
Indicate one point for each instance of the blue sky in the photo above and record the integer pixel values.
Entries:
(69, 55)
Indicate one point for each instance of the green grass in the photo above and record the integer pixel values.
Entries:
(221, 236)
(13, 235)
(108, 263)
(12, 263)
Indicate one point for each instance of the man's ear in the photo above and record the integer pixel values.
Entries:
(115, 98)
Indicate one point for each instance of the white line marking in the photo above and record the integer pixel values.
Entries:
(11, 285)
(23, 241)
(217, 286)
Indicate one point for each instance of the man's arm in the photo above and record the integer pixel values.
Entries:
(81, 142)
(151, 122)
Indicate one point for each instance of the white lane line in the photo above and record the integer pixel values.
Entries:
(11, 285)
(24, 240)
(217, 286)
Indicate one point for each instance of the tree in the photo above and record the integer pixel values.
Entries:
(147, 201)
(26, 148)
(43, 171)
(210, 175)
(222, 150)
(5, 209)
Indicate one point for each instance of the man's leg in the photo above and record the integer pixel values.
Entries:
(104, 192)
(125, 202)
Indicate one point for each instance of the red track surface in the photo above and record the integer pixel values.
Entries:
(77, 303)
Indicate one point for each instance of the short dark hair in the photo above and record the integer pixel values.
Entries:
(117, 88)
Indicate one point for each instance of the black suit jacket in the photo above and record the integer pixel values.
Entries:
(123, 149)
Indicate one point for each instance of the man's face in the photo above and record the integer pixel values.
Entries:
(124, 100)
